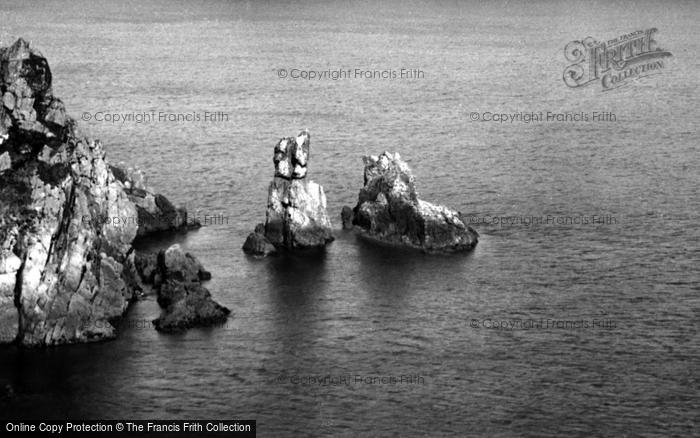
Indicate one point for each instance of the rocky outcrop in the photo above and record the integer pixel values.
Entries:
(177, 276)
(296, 207)
(61, 268)
(66, 271)
(257, 244)
(389, 210)
(155, 212)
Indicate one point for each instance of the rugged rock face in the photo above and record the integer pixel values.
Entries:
(61, 266)
(66, 266)
(296, 208)
(291, 155)
(9, 314)
(155, 212)
(296, 215)
(388, 209)
(177, 276)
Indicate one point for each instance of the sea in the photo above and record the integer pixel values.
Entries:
(577, 314)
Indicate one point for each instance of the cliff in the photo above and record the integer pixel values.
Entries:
(66, 265)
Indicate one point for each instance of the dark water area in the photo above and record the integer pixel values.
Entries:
(545, 329)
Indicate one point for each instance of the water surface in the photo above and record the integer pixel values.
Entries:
(368, 311)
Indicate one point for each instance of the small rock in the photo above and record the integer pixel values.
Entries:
(146, 264)
(56, 113)
(347, 215)
(8, 99)
(185, 302)
(257, 244)
(5, 162)
(187, 306)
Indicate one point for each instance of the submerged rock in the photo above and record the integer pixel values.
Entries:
(296, 208)
(388, 209)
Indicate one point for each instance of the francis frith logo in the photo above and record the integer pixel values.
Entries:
(614, 62)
